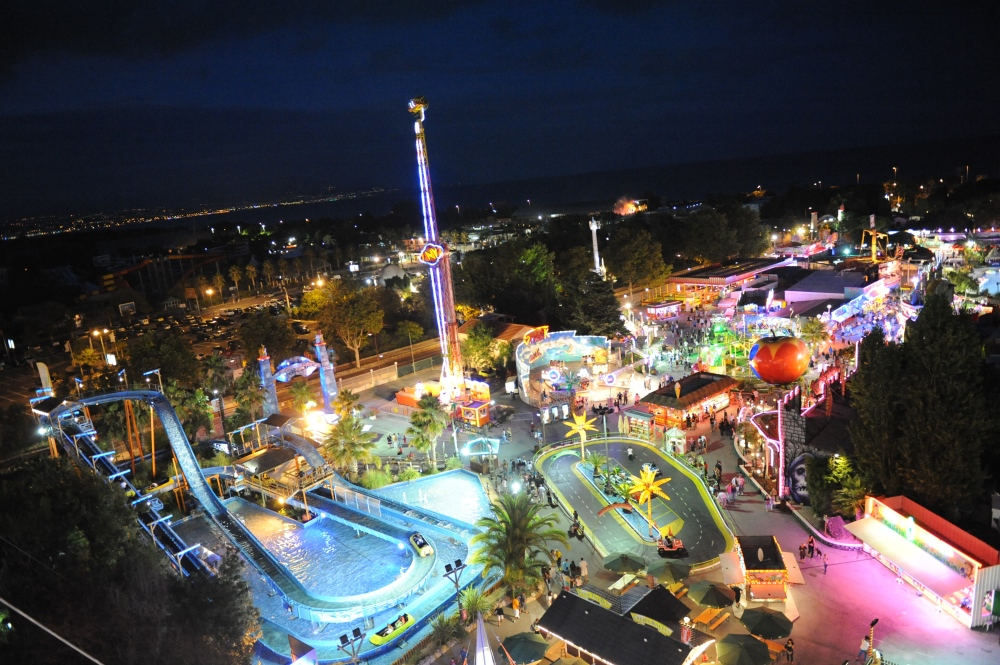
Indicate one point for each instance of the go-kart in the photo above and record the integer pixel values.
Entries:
(672, 548)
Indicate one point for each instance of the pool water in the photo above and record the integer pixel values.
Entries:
(327, 558)
(457, 494)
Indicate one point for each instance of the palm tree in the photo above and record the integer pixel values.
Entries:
(346, 403)
(813, 331)
(475, 600)
(597, 460)
(192, 408)
(302, 396)
(236, 274)
(251, 273)
(645, 487)
(283, 273)
(512, 540)
(268, 270)
(581, 426)
(850, 498)
(250, 394)
(219, 284)
(427, 423)
(348, 444)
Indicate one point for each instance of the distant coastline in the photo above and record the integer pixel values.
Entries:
(599, 190)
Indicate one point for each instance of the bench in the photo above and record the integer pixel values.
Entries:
(718, 622)
(625, 583)
(681, 593)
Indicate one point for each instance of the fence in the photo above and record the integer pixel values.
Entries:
(426, 363)
(358, 501)
(370, 379)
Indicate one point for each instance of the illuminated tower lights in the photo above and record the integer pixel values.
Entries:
(435, 255)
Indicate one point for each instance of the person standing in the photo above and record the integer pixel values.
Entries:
(826, 562)
(522, 601)
(811, 545)
(515, 604)
(802, 552)
(584, 569)
(790, 650)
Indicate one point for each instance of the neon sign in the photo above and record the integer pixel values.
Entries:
(536, 335)
(431, 254)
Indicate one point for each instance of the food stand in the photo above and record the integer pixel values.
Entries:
(694, 395)
(638, 423)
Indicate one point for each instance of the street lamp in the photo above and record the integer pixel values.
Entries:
(603, 411)
(350, 645)
(379, 360)
(159, 377)
(222, 414)
(99, 333)
(454, 573)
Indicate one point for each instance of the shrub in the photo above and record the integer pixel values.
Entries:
(445, 627)
(408, 474)
(374, 478)
(453, 463)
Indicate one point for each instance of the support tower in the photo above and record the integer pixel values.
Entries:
(436, 256)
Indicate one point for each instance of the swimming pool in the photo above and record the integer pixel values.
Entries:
(329, 558)
(457, 494)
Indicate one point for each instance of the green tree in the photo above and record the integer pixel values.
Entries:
(90, 572)
(268, 270)
(409, 330)
(302, 396)
(481, 350)
(170, 353)
(250, 394)
(90, 359)
(347, 403)
(710, 239)
(516, 278)
(270, 332)
(251, 273)
(813, 331)
(427, 424)
(348, 444)
(219, 286)
(236, 275)
(751, 236)
(874, 434)
(192, 407)
(818, 484)
(635, 258)
(591, 307)
(515, 541)
(351, 315)
(849, 499)
(218, 377)
(476, 600)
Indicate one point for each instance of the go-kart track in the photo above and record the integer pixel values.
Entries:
(690, 514)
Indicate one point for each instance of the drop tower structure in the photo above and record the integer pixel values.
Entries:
(436, 256)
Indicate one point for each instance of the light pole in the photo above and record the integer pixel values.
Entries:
(222, 415)
(378, 360)
(413, 362)
(159, 377)
(454, 573)
(209, 292)
(603, 411)
(104, 350)
(871, 627)
(350, 645)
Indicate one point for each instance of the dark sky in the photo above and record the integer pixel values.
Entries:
(136, 102)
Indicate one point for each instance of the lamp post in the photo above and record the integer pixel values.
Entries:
(378, 360)
(222, 415)
(159, 377)
(209, 292)
(454, 573)
(350, 645)
(871, 626)
(603, 411)
(104, 350)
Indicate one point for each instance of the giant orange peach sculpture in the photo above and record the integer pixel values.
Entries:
(779, 360)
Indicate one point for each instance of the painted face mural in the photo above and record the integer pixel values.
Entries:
(795, 476)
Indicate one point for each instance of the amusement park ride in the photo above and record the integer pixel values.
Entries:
(468, 397)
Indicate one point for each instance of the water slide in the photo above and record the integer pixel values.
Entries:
(346, 608)
(305, 448)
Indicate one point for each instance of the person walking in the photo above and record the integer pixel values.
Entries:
(558, 559)
(826, 562)
(522, 601)
(584, 569)
(515, 604)
(790, 650)
(811, 544)
(499, 613)
(863, 651)
(802, 552)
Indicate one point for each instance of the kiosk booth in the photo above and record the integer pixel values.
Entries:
(951, 567)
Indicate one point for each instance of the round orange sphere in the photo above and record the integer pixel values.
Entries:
(779, 360)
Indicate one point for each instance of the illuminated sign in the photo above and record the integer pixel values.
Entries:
(594, 598)
(656, 625)
(431, 254)
(536, 335)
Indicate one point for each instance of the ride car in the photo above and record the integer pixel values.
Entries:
(420, 544)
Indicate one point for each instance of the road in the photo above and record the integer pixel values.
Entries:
(689, 517)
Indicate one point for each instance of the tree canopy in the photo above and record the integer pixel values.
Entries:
(922, 421)
(168, 352)
(635, 258)
(264, 330)
(73, 559)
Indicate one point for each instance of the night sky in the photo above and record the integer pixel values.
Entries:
(118, 102)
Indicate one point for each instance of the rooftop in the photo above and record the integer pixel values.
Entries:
(728, 272)
(612, 637)
(694, 389)
(760, 552)
(827, 281)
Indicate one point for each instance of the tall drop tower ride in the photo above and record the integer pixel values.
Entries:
(436, 256)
